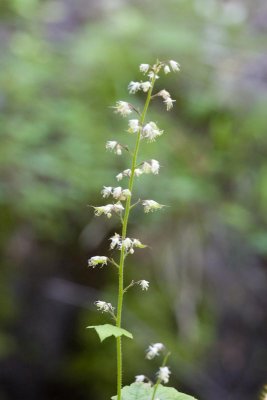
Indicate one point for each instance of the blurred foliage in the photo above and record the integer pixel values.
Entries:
(63, 64)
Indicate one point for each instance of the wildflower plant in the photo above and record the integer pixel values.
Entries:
(122, 202)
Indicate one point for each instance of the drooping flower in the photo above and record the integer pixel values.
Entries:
(164, 94)
(138, 172)
(152, 75)
(144, 284)
(118, 207)
(115, 146)
(167, 69)
(115, 241)
(121, 194)
(133, 87)
(145, 86)
(144, 68)
(123, 108)
(151, 166)
(119, 176)
(175, 66)
(154, 350)
(164, 374)
(151, 205)
(104, 210)
(97, 260)
(104, 307)
(106, 191)
(151, 131)
(139, 378)
(169, 103)
(133, 126)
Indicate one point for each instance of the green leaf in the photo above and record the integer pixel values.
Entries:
(107, 330)
(142, 391)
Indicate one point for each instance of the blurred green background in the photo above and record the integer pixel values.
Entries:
(63, 63)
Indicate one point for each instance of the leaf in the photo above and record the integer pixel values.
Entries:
(142, 391)
(107, 330)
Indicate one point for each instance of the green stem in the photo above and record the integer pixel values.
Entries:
(159, 380)
(123, 235)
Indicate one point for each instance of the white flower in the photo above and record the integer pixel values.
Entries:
(167, 69)
(169, 103)
(144, 68)
(118, 207)
(138, 172)
(151, 166)
(133, 87)
(117, 192)
(139, 378)
(164, 374)
(119, 176)
(103, 306)
(151, 205)
(108, 209)
(104, 210)
(121, 194)
(115, 241)
(113, 145)
(133, 126)
(125, 194)
(151, 131)
(154, 350)
(144, 284)
(123, 108)
(164, 94)
(175, 66)
(145, 86)
(127, 243)
(106, 192)
(97, 260)
(152, 75)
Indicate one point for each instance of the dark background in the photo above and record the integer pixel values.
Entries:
(62, 65)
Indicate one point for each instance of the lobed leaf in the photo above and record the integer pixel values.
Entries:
(143, 391)
(107, 330)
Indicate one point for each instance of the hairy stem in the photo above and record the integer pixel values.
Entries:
(158, 380)
(123, 235)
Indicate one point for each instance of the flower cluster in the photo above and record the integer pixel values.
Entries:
(104, 307)
(154, 350)
(112, 145)
(150, 131)
(117, 242)
(109, 209)
(118, 193)
(97, 260)
(164, 374)
(151, 205)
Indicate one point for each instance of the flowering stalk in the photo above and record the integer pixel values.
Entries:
(125, 245)
(123, 235)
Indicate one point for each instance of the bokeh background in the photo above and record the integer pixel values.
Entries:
(63, 63)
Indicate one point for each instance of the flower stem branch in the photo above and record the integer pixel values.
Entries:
(159, 380)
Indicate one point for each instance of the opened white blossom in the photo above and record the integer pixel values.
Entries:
(151, 131)
(133, 126)
(106, 191)
(104, 307)
(169, 103)
(175, 66)
(139, 378)
(151, 166)
(121, 194)
(164, 374)
(108, 209)
(144, 284)
(114, 146)
(166, 69)
(164, 94)
(144, 68)
(151, 205)
(115, 241)
(123, 108)
(97, 260)
(152, 75)
(133, 87)
(138, 172)
(145, 86)
(154, 350)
